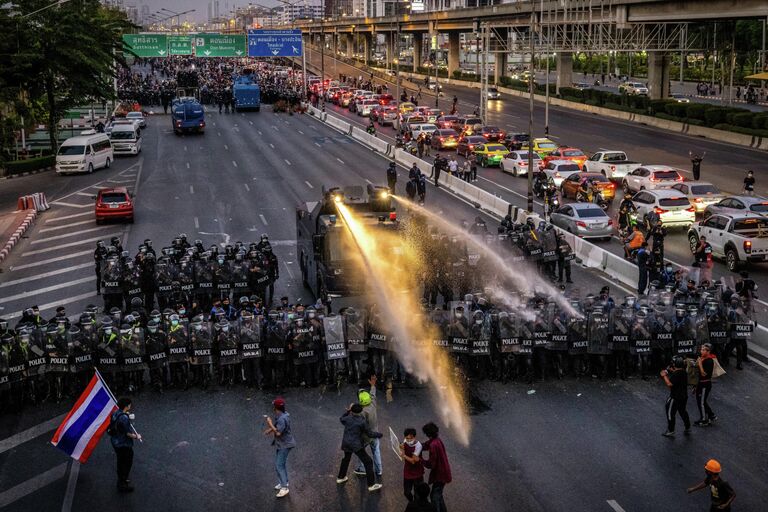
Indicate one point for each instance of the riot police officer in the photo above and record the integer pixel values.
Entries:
(99, 257)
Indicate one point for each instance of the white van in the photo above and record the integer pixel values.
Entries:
(126, 139)
(85, 153)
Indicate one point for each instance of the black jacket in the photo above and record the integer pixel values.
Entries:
(355, 426)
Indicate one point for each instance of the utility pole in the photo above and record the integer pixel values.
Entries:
(546, 81)
(484, 73)
(530, 116)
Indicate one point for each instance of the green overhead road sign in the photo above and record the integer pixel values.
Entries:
(147, 45)
(220, 45)
(179, 45)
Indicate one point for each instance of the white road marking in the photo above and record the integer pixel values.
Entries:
(187, 165)
(247, 188)
(45, 230)
(309, 184)
(27, 435)
(218, 133)
(69, 496)
(185, 147)
(51, 260)
(318, 145)
(86, 194)
(369, 181)
(112, 181)
(33, 484)
(259, 131)
(510, 190)
(46, 274)
(65, 217)
(63, 302)
(47, 289)
(71, 244)
(313, 127)
(191, 189)
(71, 205)
(250, 122)
(275, 127)
(290, 273)
(234, 163)
(226, 147)
(197, 223)
(263, 219)
(301, 132)
(340, 160)
(287, 161)
(66, 235)
(615, 506)
(271, 145)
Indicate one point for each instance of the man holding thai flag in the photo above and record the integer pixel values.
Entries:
(93, 413)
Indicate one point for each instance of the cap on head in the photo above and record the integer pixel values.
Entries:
(278, 402)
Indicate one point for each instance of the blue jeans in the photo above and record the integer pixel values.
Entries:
(376, 450)
(281, 459)
(436, 497)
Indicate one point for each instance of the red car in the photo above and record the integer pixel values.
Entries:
(114, 203)
(385, 99)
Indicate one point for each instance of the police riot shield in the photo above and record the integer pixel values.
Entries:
(598, 333)
(132, 283)
(620, 327)
(739, 323)
(663, 329)
(354, 321)
(558, 340)
(107, 349)
(509, 332)
(458, 328)
(164, 279)
(186, 277)
(223, 278)
(178, 344)
(132, 351)
(228, 346)
(250, 337)
(379, 336)
(548, 245)
(18, 355)
(641, 334)
(81, 354)
(276, 341)
(303, 345)
(531, 244)
(112, 276)
(199, 344)
(5, 349)
(157, 349)
(57, 351)
(240, 283)
(34, 339)
(203, 277)
(333, 327)
(717, 324)
(480, 335)
(527, 330)
(542, 329)
(439, 319)
(685, 335)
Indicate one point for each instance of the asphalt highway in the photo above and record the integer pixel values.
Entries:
(570, 445)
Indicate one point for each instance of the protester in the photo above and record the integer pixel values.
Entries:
(122, 435)
(283, 441)
(367, 400)
(696, 164)
(749, 184)
(355, 427)
(421, 501)
(721, 493)
(413, 469)
(676, 380)
(437, 463)
(706, 366)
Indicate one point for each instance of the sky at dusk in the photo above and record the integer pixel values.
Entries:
(201, 6)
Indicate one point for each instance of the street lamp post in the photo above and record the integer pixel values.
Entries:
(531, 77)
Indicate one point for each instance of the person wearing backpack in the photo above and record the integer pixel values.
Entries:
(122, 434)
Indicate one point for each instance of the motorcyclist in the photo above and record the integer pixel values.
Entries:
(391, 177)
(626, 209)
(633, 242)
(540, 183)
(584, 194)
(371, 128)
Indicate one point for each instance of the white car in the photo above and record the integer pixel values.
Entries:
(418, 129)
(559, 170)
(673, 208)
(516, 162)
(740, 238)
(736, 205)
(633, 88)
(493, 93)
(700, 193)
(365, 107)
(651, 177)
(137, 116)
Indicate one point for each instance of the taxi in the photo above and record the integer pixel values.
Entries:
(542, 146)
(575, 155)
(490, 154)
(406, 107)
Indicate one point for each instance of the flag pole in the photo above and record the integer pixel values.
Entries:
(112, 396)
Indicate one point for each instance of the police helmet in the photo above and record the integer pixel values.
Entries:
(273, 315)
(129, 319)
(100, 244)
(148, 242)
(125, 329)
(264, 237)
(244, 300)
(153, 325)
(114, 241)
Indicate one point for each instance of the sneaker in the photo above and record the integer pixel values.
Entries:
(342, 480)
(687, 431)
(359, 472)
(375, 487)
(278, 487)
(282, 493)
(668, 433)
(712, 418)
(703, 423)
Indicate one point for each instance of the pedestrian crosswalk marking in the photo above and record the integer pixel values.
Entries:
(51, 305)
(66, 235)
(65, 217)
(71, 205)
(71, 244)
(46, 274)
(54, 228)
(54, 287)
(50, 260)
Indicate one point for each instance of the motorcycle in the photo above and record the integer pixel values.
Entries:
(629, 227)
(371, 129)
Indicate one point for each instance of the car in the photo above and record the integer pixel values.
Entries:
(582, 86)
(565, 153)
(651, 177)
(700, 193)
(516, 162)
(406, 107)
(364, 108)
(739, 205)
(466, 144)
(493, 93)
(386, 99)
(633, 89)
(542, 146)
(492, 133)
(611, 164)
(346, 99)
(417, 129)
(586, 220)
(739, 238)
(114, 203)
(444, 138)
(515, 141)
(673, 208)
(448, 122)
(137, 116)
(558, 170)
(570, 185)
(490, 154)
(680, 98)
(469, 125)
(387, 115)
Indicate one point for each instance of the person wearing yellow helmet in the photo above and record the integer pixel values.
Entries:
(721, 492)
(367, 399)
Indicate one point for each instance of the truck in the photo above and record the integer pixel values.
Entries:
(187, 115)
(739, 238)
(246, 91)
(614, 165)
(329, 258)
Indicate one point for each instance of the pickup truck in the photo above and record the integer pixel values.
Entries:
(739, 238)
(613, 165)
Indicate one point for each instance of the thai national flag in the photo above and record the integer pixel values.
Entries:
(81, 430)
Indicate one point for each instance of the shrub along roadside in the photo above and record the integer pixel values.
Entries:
(31, 164)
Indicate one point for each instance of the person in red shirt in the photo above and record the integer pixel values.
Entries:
(437, 463)
(413, 470)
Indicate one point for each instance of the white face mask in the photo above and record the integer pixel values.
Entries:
(131, 416)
